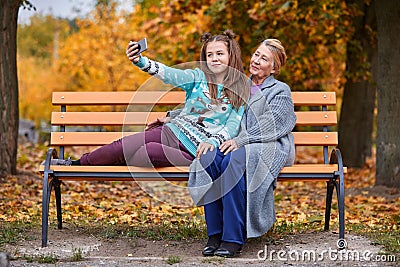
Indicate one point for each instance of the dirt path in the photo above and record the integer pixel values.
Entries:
(308, 248)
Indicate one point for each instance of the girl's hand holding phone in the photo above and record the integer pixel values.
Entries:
(134, 49)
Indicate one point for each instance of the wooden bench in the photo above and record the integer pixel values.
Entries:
(124, 112)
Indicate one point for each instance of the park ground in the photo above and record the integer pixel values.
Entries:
(155, 224)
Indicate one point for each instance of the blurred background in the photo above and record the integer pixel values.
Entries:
(80, 45)
(73, 45)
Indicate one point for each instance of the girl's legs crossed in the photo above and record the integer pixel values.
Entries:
(168, 151)
(159, 155)
(123, 151)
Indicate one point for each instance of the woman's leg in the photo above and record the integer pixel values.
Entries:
(211, 161)
(226, 209)
(227, 197)
(234, 197)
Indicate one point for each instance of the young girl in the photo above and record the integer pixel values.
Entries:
(215, 97)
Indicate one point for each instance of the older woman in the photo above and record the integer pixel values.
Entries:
(235, 182)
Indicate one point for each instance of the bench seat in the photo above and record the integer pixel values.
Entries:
(130, 173)
(82, 114)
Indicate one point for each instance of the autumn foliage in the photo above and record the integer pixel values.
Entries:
(88, 54)
(150, 204)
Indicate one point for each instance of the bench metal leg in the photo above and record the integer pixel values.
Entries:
(340, 196)
(47, 186)
(45, 207)
(329, 193)
(336, 158)
(57, 191)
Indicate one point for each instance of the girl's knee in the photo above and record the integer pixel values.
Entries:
(140, 158)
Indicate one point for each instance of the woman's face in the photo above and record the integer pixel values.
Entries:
(261, 64)
(217, 57)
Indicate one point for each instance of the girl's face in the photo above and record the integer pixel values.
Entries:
(261, 64)
(217, 57)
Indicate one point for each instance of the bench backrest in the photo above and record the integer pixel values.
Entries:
(98, 118)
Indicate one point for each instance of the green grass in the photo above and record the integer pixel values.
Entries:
(11, 233)
(214, 260)
(384, 235)
(77, 254)
(387, 234)
(170, 231)
(47, 259)
(29, 259)
(285, 228)
(162, 231)
(173, 259)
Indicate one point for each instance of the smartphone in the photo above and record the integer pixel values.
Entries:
(142, 45)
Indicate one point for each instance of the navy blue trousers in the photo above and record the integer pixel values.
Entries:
(226, 209)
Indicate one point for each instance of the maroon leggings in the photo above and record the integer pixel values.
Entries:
(157, 147)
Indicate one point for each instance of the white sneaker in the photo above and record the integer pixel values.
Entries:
(65, 162)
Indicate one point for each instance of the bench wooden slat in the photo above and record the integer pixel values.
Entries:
(119, 98)
(103, 118)
(316, 118)
(316, 138)
(304, 118)
(167, 98)
(101, 138)
(314, 98)
(85, 138)
(298, 168)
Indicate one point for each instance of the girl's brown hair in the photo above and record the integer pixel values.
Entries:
(236, 86)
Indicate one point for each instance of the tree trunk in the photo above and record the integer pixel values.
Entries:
(8, 87)
(388, 131)
(357, 111)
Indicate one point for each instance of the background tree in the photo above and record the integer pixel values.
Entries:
(93, 58)
(319, 31)
(174, 28)
(37, 46)
(8, 86)
(388, 132)
(359, 96)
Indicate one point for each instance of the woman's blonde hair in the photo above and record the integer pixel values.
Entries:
(236, 86)
(278, 52)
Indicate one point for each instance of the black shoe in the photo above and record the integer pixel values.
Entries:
(228, 249)
(209, 251)
(212, 244)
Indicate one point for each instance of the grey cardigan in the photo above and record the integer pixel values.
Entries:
(266, 134)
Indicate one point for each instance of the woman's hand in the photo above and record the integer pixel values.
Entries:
(203, 148)
(157, 122)
(228, 146)
(132, 52)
